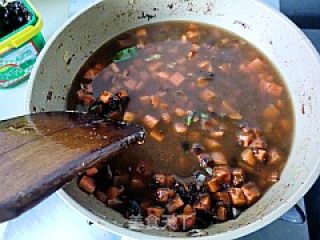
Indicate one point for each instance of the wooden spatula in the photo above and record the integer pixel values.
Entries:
(40, 153)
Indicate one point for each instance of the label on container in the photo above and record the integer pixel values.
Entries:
(16, 65)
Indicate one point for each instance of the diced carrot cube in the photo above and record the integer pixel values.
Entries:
(223, 173)
(248, 157)
(264, 86)
(237, 197)
(214, 185)
(141, 32)
(166, 118)
(251, 192)
(207, 95)
(191, 54)
(243, 68)
(91, 171)
(227, 108)
(99, 67)
(131, 84)
(235, 116)
(176, 79)
(204, 64)
(180, 112)
(222, 213)
(114, 68)
(163, 106)
(271, 88)
(129, 116)
(90, 74)
(150, 121)
(140, 44)
(154, 66)
(225, 41)
(279, 104)
(266, 77)
(174, 204)
(275, 90)
(180, 128)
(219, 158)
(271, 113)
(256, 65)
(114, 192)
(285, 124)
(158, 136)
(184, 38)
(155, 101)
(217, 134)
(192, 34)
(188, 209)
(156, 212)
(201, 82)
(145, 100)
(274, 156)
(163, 75)
(87, 184)
(195, 47)
(211, 143)
(204, 203)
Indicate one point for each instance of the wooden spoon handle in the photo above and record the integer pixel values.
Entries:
(40, 153)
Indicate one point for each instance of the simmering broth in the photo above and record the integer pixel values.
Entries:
(213, 106)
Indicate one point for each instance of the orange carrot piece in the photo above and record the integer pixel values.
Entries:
(114, 68)
(180, 128)
(150, 121)
(271, 113)
(145, 100)
(87, 184)
(91, 171)
(163, 75)
(131, 84)
(176, 79)
(256, 65)
(154, 66)
(142, 32)
(158, 136)
(180, 112)
(166, 117)
(207, 95)
(129, 116)
(155, 101)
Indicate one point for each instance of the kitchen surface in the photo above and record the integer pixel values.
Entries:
(54, 219)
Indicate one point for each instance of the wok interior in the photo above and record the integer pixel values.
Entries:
(282, 44)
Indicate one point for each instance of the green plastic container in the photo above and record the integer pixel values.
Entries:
(19, 50)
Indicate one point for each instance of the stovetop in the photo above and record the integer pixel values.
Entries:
(54, 219)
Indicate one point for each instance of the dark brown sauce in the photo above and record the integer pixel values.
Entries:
(244, 83)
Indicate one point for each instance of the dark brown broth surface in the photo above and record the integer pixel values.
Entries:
(246, 90)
